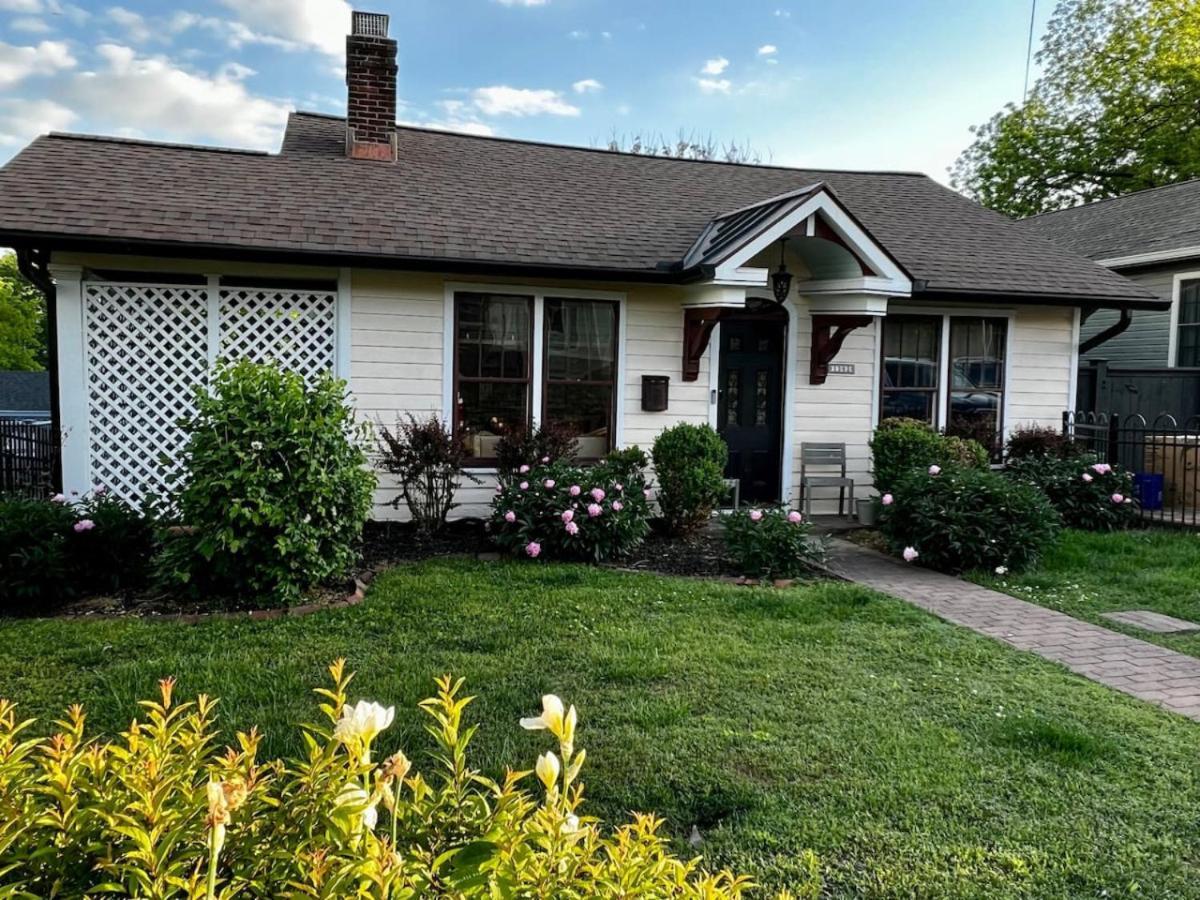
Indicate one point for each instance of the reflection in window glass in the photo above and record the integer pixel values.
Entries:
(1187, 347)
(977, 379)
(911, 355)
(733, 396)
(581, 366)
(493, 337)
(760, 396)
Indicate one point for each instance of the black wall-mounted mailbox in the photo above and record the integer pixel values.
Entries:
(654, 392)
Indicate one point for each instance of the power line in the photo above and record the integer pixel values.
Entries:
(1029, 51)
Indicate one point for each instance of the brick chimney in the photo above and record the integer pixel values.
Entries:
(371, 89)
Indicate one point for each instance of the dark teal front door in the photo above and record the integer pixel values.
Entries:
(750, 402)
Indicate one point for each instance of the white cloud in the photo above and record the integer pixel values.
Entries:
(768, 50)
(577, 35)
(607, 35)
(715, 66)
(587, 86)
(782, 14)
(30, 24)
(152, 95)
(21, 6)
(18, 63)
(523, 2)
(322, 24)
(135, 26)
(502, 100)
(714, 85)
(21, 120)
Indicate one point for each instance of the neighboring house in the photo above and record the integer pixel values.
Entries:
(1151, 237)
(25, 396)
(496, 281)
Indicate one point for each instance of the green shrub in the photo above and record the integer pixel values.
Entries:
(116, 551)
(562, 511)
(771, 543)
(427, 460)
(1088, 494)
(1036, 441)
(37, 571)
(164, 811)
(549, 443)
(962, 518)
(901, 445)
(275, 486)
(689, 463)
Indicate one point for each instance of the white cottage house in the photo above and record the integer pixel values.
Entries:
(496, 281)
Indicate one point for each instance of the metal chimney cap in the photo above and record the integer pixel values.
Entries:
(369, 24)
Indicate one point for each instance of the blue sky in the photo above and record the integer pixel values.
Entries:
(850, 84)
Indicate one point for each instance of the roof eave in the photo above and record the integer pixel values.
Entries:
(1045, 298)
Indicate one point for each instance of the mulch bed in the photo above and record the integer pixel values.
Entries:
(701, 554)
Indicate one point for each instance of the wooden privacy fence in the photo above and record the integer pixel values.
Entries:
(28, 451)
(1163, 455)
(1128, 391)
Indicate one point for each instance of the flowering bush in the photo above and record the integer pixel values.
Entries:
(549, 443)
(901, 445)
(1036, 441)
(427, 460)
(689, 462)
(957, 518)
(53, 549)
(771, 543)
(162, 812)
(1088, 494)
(571, 512)
(275, 486)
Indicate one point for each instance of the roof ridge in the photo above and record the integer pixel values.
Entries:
(175, 145)
(576, 147)
(1079, 206)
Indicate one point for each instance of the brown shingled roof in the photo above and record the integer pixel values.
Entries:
(456, 199)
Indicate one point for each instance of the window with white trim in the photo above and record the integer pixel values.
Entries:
(1187, 328)
(499, 361)
(968, 352)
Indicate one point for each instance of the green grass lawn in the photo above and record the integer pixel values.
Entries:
(917, 759)
(1087, 574)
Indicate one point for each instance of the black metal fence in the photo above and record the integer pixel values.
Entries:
(28, 452)
(1163, 455)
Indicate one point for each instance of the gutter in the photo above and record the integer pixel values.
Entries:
(1146, 301)
(1118, 327)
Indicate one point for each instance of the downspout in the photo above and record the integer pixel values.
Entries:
(33, 264)
(1118, 327)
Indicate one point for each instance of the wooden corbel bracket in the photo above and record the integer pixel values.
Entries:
(828, 334)
(698, 325)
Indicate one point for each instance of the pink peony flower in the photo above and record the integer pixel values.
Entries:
(617, 506)
(1087, 479)
(909, 554)
(572, 528)
(533, 548)
(646, 493)
(545, 460)
(935, 470)
(887, 499)
(524, 485)
(568, 515)
(1118, 498)
(523, 469)
(619, 488)
(499, 489)
(510, 517)
(597, 494)
(574, 490)
(755, 515)
(84, 525)
(1101, 468)
(548, 484)
(59, 498)
(100, 490)
(795, 518)
(594, 509)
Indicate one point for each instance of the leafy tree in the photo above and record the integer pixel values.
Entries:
(685, 145)
(22, 320)
(1116, 110)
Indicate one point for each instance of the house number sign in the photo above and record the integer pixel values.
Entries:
(841, 368)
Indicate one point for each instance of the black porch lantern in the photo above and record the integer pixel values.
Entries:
(781, 279)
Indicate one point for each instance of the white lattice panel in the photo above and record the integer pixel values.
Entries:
(294, 328)
(147, 349)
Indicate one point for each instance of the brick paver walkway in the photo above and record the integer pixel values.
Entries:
(1144, 670)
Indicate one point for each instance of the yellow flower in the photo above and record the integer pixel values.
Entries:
(354, 805)
(552, 719)
(548, 769)
(361, 723)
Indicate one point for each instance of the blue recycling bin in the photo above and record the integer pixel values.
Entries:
(1148, 486)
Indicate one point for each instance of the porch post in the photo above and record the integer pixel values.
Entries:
(72, 378)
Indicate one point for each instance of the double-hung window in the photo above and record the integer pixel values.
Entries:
(503, 368)
(946, 370)
(1187, 328)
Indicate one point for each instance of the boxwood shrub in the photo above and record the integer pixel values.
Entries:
(689, 463)
(965, 518)
(902, 445)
